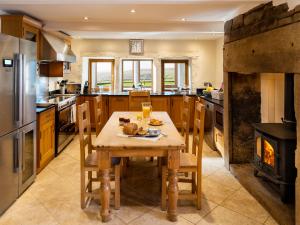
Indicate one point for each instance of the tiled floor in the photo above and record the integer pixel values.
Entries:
(54, 197)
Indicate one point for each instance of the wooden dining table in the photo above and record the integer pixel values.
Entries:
(110, 143)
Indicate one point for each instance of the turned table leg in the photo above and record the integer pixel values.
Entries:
(104, 166)
(173, 165)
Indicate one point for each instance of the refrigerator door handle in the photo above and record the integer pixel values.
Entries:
(16, 153)
(17, 87)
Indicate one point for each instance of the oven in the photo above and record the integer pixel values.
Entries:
(65, 126)
(218, 117)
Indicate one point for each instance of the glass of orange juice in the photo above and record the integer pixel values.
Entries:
(147, 108)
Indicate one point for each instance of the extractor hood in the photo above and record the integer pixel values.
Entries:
(55, 49)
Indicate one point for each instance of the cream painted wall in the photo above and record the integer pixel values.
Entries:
(272, 97)
(205, 58)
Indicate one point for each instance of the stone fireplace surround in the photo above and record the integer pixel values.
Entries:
(265, 39)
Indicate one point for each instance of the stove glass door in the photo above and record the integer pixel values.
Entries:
(269, 153)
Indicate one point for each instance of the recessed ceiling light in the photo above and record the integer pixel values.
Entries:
(86, 18)
(183, 19)
(132, 11)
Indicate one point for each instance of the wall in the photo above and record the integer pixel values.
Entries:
(219, 62)
(205, 59)
(272, 97)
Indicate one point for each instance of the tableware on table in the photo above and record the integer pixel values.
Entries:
(153, 132)
(146, 109)
(139, 117)
(130, 128)
(123, 121)
(155, 122)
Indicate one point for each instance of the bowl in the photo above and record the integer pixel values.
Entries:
(153, 132)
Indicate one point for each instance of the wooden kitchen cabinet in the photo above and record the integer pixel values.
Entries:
(160, 103)
(118, 103)
(22, 27)
(176, 110)
(45, 137)
(176, 107)
(105, 110)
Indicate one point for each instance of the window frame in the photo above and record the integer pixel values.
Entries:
(91, 61)
(176, 62)
(139, 71)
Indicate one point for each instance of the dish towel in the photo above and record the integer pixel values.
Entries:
(73, 114)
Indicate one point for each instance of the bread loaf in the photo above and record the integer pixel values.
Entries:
(130, 128)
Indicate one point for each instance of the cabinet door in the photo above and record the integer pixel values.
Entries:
(104, 110)
(160, 103)
(27, 158)
(46, 138)
(117, 103)
(31, 33)
(46, 142)
(176, 110)
(9, 148)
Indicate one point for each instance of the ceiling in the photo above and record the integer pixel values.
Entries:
(155, 19)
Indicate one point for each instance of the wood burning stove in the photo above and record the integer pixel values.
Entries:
(274, 156)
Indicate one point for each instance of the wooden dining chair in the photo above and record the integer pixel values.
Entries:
(185, 118)
(190, 162)
(97, 111)
(136, 98)
(89, 161)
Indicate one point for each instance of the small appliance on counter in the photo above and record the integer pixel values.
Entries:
(199, 91)
(86, 87)
(62, 86)
(73, 88)
(218, 94)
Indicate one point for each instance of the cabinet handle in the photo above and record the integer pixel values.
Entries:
(16, 153)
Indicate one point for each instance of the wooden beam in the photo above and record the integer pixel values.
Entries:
(275, 51)
(297, 157)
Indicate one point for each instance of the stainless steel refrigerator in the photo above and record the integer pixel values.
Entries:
(17, 117)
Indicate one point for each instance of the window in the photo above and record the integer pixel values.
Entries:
(101, 74)
(174, 74)
(137, 73)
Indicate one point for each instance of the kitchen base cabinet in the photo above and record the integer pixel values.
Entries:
(160, 103)
(45, 137)
(176, 110)
(105, 110)
(173, 105)
(118, 103)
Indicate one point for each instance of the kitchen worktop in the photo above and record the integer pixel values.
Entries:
(214, 101)
(169, 93)
(42, 109)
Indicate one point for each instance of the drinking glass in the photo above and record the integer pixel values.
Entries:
(146, 108)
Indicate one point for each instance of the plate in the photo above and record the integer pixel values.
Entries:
(155, 122)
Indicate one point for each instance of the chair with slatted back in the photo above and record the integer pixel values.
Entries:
(89, 160)
(136, 98)
(190, 162)
(97, 108)
(185, 118)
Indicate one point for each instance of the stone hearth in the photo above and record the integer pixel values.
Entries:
(265, 39)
